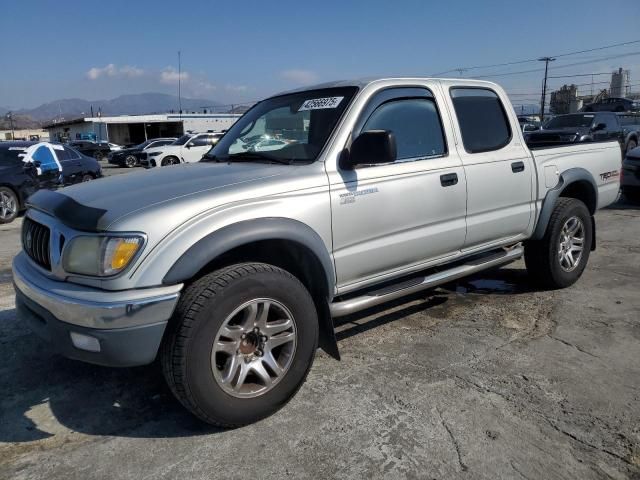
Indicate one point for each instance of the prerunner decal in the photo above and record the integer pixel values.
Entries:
(320, 103)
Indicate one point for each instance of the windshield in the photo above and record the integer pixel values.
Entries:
(286, 128)
(182, 140)
(568, 121)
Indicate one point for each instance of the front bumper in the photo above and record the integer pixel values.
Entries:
(125, 327)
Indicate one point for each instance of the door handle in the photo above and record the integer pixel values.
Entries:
(448, 179)
(517, 167)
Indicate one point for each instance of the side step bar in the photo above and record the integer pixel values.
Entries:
(386, 294)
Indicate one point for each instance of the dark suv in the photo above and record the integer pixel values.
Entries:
(97, 150)
(612, 105)
(24, 169)
(585, 127)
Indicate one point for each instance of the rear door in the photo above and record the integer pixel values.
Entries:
(498, 167)
(389, 219)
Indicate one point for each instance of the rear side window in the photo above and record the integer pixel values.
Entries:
(414, 122)
(483, 120)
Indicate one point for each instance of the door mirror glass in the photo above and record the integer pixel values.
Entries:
(370, 148)
(599, 126)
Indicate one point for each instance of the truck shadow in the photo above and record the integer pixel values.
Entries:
(135, 402)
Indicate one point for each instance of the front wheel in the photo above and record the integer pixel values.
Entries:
(559, 258)
(169, 161)
(240, 344)
(631, 145)
(8, 205)
(130, 161)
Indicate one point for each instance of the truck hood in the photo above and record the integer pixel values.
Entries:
(95, 205)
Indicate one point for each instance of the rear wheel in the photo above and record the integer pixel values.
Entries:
(559, 258)
(87, 177)
(631, 145)
(240, 344)
(8, 205)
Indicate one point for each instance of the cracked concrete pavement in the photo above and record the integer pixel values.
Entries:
(485, 378)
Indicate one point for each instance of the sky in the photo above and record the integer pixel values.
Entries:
(234, 52)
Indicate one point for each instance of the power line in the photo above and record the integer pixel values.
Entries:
(580, 75)
(519, 62)
(505, 74)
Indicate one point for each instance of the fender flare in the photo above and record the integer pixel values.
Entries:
(235, 235)
(567, 178)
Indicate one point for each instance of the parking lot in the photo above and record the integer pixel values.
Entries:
(484, 378)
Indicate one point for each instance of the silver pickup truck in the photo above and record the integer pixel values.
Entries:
(231, 270)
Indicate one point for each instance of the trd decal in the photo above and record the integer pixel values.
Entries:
(606, 176)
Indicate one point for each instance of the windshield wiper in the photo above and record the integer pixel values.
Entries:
(248, 156)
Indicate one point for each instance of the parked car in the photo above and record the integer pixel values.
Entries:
(585, 127)
(231, 269)
(187, 149)
(612, 105)
(130, 157)
(20, 178)
(114, 146)
(97, 150)
(630, 175)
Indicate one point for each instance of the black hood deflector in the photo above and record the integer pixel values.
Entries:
(67, 210)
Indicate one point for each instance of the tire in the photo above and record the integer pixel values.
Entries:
(9, 205)
(87, 177)
(543, 257)
(211, 307)
(630, 146)
(98, 156)
(130, 161)
(169, 161)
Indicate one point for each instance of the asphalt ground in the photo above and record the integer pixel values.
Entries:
(484, 378)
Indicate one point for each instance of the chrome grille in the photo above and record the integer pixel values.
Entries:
(35, 242)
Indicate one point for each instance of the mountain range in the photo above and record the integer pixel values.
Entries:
(138, 104)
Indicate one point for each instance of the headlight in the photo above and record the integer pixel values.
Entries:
(153, 154)
(100, 256)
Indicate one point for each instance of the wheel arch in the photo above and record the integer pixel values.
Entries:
(575, 183)
(285, 243)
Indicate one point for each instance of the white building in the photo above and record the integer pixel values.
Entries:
(134, 129)
(619, 83)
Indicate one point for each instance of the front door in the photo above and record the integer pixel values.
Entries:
(394, 218)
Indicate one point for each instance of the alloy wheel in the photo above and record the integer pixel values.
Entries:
(571, 244)
(7, 206)
(254, 348)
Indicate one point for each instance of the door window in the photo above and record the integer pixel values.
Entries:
(482, 118)
(416, 125)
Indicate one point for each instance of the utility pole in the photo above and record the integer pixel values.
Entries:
(10, 115)
(546, 61)
(179, 85)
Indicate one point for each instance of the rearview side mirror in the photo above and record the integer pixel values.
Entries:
(371, 148)
(599, 126)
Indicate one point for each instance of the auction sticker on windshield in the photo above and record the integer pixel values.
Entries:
(320, 103)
